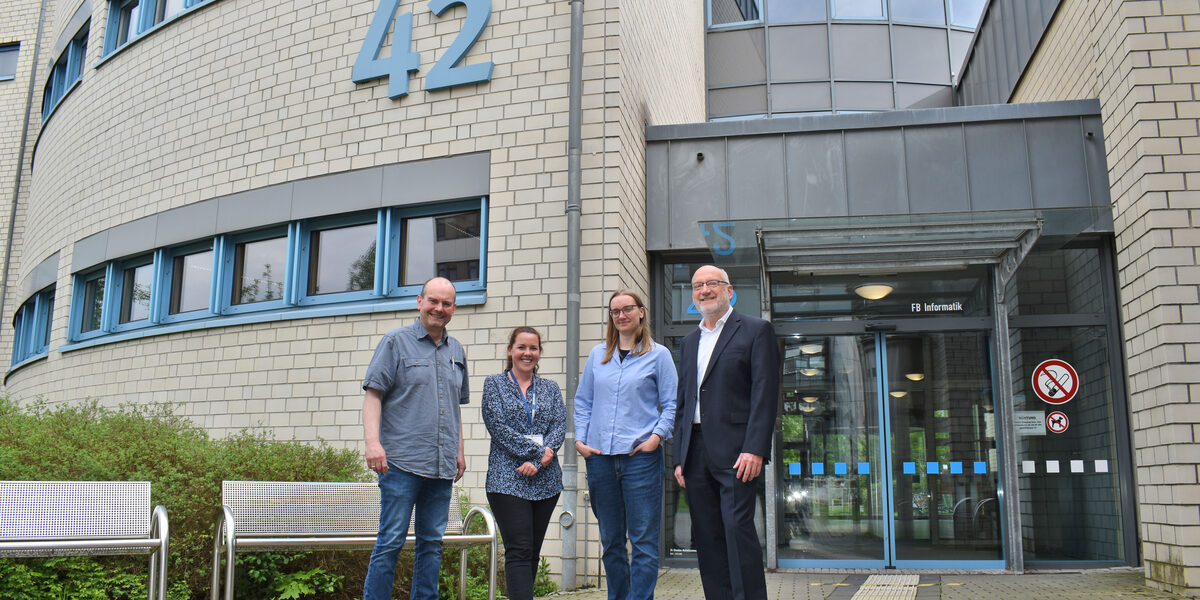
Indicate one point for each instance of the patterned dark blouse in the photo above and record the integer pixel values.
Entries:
(508, 423)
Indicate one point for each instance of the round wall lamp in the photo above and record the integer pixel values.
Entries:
(898, 394)
(914, 376)
(873, 291)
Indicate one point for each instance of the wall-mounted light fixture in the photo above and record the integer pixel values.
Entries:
(914, 376)
(898, 394)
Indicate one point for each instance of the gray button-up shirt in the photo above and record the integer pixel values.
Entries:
(422, 386)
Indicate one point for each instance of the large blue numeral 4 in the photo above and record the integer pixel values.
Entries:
(445, 73)
(368, 66)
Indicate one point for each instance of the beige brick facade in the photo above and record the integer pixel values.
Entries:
(238, 96)
(1140, 58)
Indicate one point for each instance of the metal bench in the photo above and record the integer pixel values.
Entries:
(275, 515)
(84, 518)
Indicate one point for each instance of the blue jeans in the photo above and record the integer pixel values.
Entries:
(399, 493)
(627, 494)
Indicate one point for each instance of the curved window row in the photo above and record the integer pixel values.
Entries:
(354, 261)
(31, 327)
(67, 70)
(958, 13)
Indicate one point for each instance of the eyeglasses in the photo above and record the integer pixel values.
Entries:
(711, 284)
(626, 310)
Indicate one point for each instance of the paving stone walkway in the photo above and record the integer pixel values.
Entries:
(1103, 584)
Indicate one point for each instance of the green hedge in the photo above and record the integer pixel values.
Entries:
(88, 442)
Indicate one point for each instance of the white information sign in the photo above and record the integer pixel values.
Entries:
(1029, 422)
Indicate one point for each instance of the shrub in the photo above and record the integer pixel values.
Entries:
(88, 442)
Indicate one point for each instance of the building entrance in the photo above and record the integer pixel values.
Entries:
(888, 452)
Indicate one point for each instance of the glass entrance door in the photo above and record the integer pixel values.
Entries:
(888, 452)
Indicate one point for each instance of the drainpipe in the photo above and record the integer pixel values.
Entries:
(574, 178)
(16, 192)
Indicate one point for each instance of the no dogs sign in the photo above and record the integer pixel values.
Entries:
(1055, 381)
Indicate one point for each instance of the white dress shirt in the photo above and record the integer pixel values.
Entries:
(708, 341)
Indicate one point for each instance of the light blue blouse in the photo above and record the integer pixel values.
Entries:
(619, 404)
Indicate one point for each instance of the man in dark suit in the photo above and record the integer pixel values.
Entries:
(728, 398)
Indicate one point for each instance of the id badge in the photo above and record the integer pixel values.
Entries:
(536, 438)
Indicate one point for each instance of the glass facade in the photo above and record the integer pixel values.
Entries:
(888, 451)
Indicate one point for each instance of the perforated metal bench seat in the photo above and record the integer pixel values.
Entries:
(84, 518)
(274, 515)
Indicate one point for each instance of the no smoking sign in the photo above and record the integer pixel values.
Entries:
(1055, 381)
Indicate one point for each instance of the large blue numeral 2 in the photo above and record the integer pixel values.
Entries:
(368, 66)
(445, 73)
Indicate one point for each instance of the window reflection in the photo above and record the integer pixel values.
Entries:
(927, 12)
(725, 12)
(342, 259)
(858, 9)
(191, 282)
(93, 304)
(966, 13)
(440, 246)
(258, 271)
(135, 293)
(795, 11)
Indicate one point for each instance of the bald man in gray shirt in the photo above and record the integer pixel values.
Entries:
(413, 431)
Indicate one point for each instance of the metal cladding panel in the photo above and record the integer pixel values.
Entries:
(799, 52)
(697, 189)
(937, 169)
(998, 165)
(816, 175)
(132, 237)
(737, 101)
(1058, 170)
(74, 510)
(736, 57)
(757, 185)
(254, 208)
(658, 178)
(350, 191)
(917, 95)
(43, 275)
(1095, 161)
(922, 54)
(800, 97)
(875, 178)
(861, 52)
(855, 95)
(186, 223)
(449, 178)
(1006, 39)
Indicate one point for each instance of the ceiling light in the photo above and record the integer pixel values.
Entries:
(811, 348)
(915, 376)
(898, 394)
(873, 291)
(808, 408)
(809, 371)
(810, 399)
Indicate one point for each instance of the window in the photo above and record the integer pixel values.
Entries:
(135, 287)
(31, 325)
(730, 12)
(8, 61)
(966, 13)
(128, 19)
(342, 259)
(67, 70)
(343, 264)
(190, 277)
(259, 270)
(858, 9)
(90, 293)
(927, 12)
(440, 246)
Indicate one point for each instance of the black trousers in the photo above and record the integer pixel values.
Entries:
(722, 510)
(522, 526)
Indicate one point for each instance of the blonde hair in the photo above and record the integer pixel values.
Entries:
(641, 336)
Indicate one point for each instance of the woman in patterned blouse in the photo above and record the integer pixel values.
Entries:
(527, 420)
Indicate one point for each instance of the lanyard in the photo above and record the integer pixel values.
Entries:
(530, 400)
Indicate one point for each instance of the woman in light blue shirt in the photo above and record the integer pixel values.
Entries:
(624, 410)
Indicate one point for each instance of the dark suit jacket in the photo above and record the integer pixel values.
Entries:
(739, 397)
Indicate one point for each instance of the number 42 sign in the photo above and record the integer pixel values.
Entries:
(396, 67)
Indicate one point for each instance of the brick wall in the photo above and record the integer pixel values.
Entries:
(240, 95)
(1142, 60)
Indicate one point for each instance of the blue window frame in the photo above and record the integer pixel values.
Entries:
(67, 70)
(344, 264)
(8, 61)
(31, 325)
(133, 292)
(129, 19)
(188, 278)
(338, 256)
